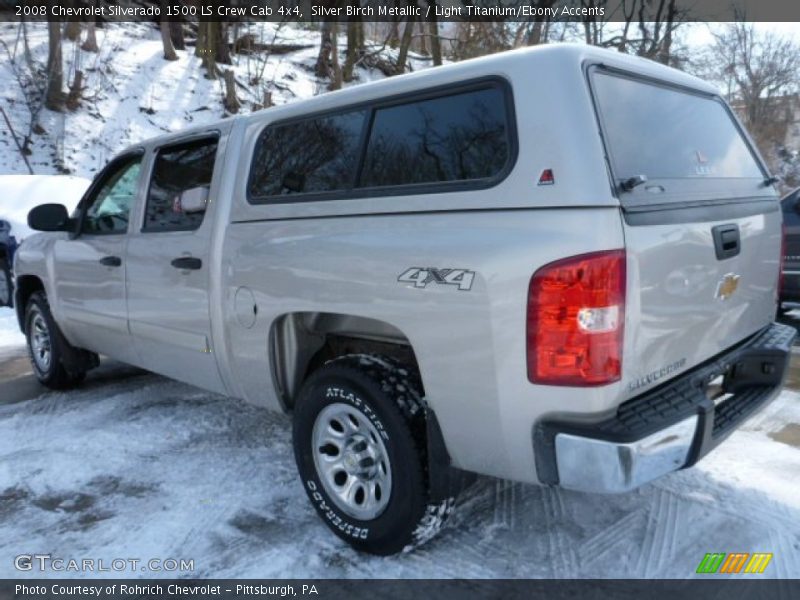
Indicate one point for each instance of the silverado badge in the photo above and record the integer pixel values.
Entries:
(727, 286)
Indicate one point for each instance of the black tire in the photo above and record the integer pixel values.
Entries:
(387, 394)
(6, 286)
(65, 367)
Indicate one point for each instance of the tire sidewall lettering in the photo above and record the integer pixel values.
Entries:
(337, 393)
(359, 533)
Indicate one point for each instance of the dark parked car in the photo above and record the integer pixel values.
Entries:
(790, 290)
(8, 245)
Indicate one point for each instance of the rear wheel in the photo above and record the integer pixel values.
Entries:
(359, 428)
(55, 362)
(6, 287)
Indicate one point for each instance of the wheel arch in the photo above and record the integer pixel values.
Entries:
(299, 342)
(26, 285)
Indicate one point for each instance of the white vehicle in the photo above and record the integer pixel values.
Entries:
(556, 265)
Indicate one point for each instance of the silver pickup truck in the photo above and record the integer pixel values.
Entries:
(556, 265)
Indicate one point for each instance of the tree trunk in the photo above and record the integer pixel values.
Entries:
(90, 44)
(336, 79)
(54, 99)
(222, 49)
(436, 42)
(166, 35)
(72, 30)
(210, 56)
(200, 45)
(402, 55)
(352, 51)
(394, 34)
(231, 102)
(423, 38)
(176, 33)
(74, 96)
(323, 66)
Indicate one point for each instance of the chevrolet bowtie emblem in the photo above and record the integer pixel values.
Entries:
(727, 286)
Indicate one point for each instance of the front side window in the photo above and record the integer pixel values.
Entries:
(666, 133)
(178, 195)
(459, 137)
(108, 212)
(315, 155)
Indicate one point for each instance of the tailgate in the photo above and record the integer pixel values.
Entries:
(702, 224)
(686, 304)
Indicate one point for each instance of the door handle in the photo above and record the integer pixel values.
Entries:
(111, 261)
(187, 263)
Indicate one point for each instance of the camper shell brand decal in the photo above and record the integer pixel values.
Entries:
(421, 277)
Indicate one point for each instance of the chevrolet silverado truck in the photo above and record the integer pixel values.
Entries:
(555, 265)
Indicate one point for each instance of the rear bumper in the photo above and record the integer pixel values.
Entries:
(668, 428)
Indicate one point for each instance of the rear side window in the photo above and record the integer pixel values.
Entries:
(438, 140)
(179, 188)
(316, 155)
(665, 133)
(454, 138)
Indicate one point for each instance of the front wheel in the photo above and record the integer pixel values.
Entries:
(359, 427)
(55, 363)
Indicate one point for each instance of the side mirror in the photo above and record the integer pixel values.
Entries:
(49, 217)
(193, 200)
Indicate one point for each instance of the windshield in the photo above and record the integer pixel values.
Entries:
(664, 133)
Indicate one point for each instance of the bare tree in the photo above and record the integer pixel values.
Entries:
(405, 42)
(336, 70)
(761, 74)
(436, 42)
(322, 68)
(54, 97)
(166, 34)
(90, 43)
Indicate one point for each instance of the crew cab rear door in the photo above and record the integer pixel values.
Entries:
(169, 262)
(701, 222)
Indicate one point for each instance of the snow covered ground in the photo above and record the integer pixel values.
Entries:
(10, 335)
(132, 93)
(135, 466)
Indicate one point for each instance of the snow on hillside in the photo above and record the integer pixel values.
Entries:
(131, 93)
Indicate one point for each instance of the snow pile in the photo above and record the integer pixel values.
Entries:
(10, 334)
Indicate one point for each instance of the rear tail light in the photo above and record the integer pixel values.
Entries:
(576, 318)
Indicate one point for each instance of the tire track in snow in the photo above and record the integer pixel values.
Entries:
(610, 538)
(660, 534)
(564, 561)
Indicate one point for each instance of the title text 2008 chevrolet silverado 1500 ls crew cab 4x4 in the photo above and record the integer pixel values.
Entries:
(556, 266)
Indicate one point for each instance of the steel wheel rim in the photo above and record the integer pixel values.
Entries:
(41, 344)
(5, 289)
(351, 461)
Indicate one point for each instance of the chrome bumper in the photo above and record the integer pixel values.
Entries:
(670, 427)
(591, 465)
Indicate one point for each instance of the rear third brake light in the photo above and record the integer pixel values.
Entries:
(576, 318)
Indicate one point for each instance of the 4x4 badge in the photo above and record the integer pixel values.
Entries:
(421, 277)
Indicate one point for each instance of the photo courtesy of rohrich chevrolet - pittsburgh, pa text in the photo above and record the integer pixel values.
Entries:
(399, 298)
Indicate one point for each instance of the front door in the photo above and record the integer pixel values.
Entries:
(168, 265)
(90, 266)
